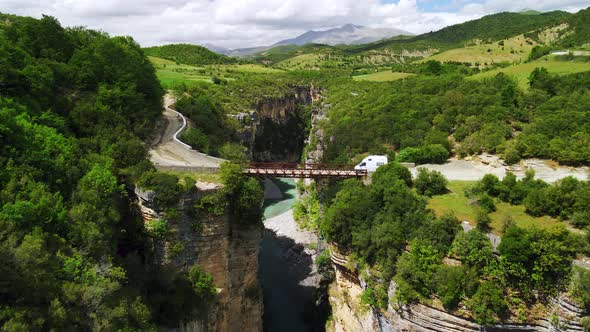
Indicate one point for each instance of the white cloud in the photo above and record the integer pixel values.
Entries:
(245, 23)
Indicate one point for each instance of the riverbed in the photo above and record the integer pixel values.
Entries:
(287, 270)
(474, 168)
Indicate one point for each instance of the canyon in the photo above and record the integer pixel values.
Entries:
(281, 256)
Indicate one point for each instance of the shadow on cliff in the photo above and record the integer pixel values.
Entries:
(289, 305)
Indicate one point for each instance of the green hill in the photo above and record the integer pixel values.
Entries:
(188, 54)
(492, 27)
(530, 12)
(579, 25)
(284, 52)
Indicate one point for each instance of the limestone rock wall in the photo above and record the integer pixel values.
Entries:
(280, 117)
(223, 248)
(350, 315)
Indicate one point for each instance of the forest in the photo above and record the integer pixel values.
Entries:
(388, 230)
(188, 54)
(429, 117)
(75, 108)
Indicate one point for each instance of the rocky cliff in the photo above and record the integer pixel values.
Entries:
(350, 315)
(276, 129)
(223, 248)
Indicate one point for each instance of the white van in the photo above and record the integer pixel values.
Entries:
(371, 163)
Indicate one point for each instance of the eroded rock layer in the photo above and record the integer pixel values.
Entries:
(223, 248)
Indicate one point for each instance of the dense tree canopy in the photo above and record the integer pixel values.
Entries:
(417, 117)
(75, 105)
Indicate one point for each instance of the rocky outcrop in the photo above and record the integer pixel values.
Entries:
(275, 131)
(350, 315)
(223, 248)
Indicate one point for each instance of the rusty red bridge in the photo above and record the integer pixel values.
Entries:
(294, 170)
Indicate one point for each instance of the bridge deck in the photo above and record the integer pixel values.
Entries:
(293, 170)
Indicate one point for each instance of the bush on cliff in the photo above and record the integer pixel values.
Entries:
(244, 194)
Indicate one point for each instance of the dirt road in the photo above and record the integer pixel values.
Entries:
(169, 151)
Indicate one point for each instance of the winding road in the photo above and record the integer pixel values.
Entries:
(170, 153)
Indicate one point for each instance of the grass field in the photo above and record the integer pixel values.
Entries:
(513, 50)
(382, 76)
(248, 68)
(170, 73)
(521, 72)
(169, 77)
(456, 202)
(300, 61)
(310, 61)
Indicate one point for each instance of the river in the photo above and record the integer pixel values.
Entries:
(287, 272)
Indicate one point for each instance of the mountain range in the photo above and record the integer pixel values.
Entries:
(348, 34)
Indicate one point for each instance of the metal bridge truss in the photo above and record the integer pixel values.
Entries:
(294, 170)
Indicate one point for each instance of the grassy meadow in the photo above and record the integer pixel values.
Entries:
(522, 71)
(455, 201)
(382, 76)
(510, 50)
(170, 73)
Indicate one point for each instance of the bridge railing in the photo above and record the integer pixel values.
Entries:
(297, 170)
(300, 166)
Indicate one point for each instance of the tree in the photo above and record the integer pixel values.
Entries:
(483, 221)
(245, 196)
(473, 248)
(250, 202)
(441, 232)
(433, 68)
(450, 285)
(417, 267)
(350, 209)
(233, 152)
(165, 186)
(488, 303)
(196, 139)
(516, 246)
(430, 183)
(387, 174)
(487, 204)
(231, 176)
(542, 80)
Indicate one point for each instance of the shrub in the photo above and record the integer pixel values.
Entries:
(165, 186)
(432, 153)
(488, 303)
(374, 297)
(214, 204)
(202, 283)
(176, 249)
(483, 221)
(450, 282)
(430, 183)
(486, 202)
(580, 286)
(158, 228)
(233, 152)
(196, 139)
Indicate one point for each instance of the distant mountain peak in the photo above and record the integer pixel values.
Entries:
(350, 34)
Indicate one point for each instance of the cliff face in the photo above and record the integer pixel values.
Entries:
(278, 109)
(276, 130)
(350, 315)
(223, 248)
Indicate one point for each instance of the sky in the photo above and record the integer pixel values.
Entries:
(248, 23)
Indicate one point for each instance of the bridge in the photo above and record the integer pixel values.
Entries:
(294, 170)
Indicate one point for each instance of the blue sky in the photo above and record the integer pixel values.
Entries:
(444, 5)
(247, 23)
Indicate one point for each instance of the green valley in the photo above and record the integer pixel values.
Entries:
(429, 182)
